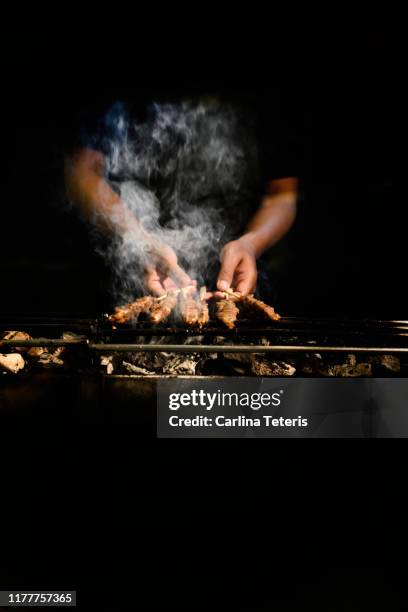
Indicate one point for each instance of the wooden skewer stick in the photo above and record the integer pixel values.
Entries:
(182, 290)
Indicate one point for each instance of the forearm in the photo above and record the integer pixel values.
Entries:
(274, 217)
(101, 206)
(92, 194)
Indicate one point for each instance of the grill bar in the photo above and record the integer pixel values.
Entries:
(50, 342)
(199, 348)
(242, 348)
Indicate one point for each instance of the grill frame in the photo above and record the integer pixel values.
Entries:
(288, 335)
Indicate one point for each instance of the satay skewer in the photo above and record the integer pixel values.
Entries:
(193, 306)
(204, 315)
(252, 303)
(162, 309)
(132, 310)
(227, 312)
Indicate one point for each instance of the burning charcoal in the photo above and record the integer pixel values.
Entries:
(12, 362)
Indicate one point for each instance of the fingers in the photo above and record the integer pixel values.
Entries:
(153, 282)
(245, 275)
(167, 267)
(245, 281)
(157, 285)
(229, 262)
(238, 270)
(180, 277)
(169, 284)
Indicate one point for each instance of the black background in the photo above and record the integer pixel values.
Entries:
(215, 526)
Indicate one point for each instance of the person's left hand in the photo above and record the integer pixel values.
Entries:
(238, 267)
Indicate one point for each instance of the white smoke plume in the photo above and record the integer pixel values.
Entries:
(181, 173)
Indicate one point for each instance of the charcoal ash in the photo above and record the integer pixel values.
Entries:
(134, 369)
(21, 359)
(160, 363)
(249, 364)
(108, 363)
(191, 364)
(11, 362)
(348, 366)
(385, 364)
(351, 366)
(263, 367)
(40, 357)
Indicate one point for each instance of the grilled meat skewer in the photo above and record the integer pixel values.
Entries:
(131, 311)
(190, 307)
(255, 305)
(259, 307)
(193, 308)
(190, 310)
(227, 312)
(162, 308)
(204, 315)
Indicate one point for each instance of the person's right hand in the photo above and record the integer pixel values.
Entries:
(163, 273)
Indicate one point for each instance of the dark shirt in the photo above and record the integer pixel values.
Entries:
(216, 152)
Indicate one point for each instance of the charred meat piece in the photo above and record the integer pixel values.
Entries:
(190, 307)
(193, 308)
(227, 312)
(204, 315)
(131, 311)
(162, 308)
(259, 307)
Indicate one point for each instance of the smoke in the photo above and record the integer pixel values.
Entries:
(181, 172)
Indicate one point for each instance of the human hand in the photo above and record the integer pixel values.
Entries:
(238, 267)
(163, 273)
